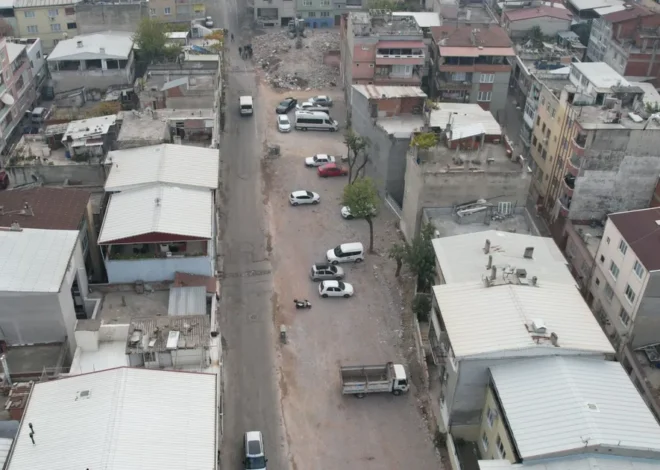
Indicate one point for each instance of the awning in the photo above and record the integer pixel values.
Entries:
(400, 45)
(399, 61)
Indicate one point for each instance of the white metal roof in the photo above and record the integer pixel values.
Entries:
(180, 165)
(13, 50)
(591, 4)
(87, 128)
(128, 419)
(35, 260)
(600, 74)
(386, 91)
(158, 209)
(462, 258)
(177, 34)
(602, 11)
(487, 320)
(464, 114)
(579, 462)
(189, 300)
(560, 405)
(108, 45)
(422, 18)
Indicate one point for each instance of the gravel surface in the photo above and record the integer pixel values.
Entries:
(287, 67)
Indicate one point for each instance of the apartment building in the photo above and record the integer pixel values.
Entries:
(176, 11)
(471, 65)
(316, 13)
(378, 48)
(17, 88)
(627, 40)
(49, 20)
(551, 19)
(276, 12)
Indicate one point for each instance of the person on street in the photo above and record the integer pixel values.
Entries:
(240, 51)
(232, 37)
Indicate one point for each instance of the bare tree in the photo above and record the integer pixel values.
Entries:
(356, 147)
(6, 29)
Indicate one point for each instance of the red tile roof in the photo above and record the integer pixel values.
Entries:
(461, 36)
(641, 230)
(540, 12)
(51, 208)
(637, 11)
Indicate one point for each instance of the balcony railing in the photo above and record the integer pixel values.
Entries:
(569, 185)
(573, 165)
(564, 205)
(579, 142)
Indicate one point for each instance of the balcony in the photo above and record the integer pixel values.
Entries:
(569, 185)
(526, 136)
(579, 142)
(573, 165)
(564, 204)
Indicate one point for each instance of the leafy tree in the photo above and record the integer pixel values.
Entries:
(422, 306)
(392, 5)
(424, 140)
(398, 253)
(361, 197)
(418, 256)
(356, 146)
(536, 36)
(151, 39)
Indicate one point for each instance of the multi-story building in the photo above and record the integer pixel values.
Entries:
(275, 12)
(627, 40)
(378, 48)
(176, 11)
(551, 19)
(49, 20)
(471, 65)
(316, 13)
(17, 90)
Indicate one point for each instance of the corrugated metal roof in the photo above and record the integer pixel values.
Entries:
(579, 462)
(422, 18)
(558, 405)
(181, 165)
(132, 419)
(462, 258)
(374, 91)
(486, 320)
(5, 447)
(538, 12)
(152, 334)
(158, 209)
(600, 74)
(13, 50)
(109, 45)
(187, 301)
(592, 4)
(35, 260)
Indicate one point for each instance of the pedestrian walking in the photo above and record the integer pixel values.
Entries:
(232, 37)
(240, 51)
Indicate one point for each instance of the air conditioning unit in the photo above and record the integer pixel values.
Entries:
(51, 18)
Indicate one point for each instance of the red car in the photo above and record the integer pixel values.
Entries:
(332, 169)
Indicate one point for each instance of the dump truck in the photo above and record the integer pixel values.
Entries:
(360, 380)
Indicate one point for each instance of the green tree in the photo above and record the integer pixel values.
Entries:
(356, 147)
(536, 36)
(421, 306)
(362, 200)
(398, 253)
(151, 39)
(418, 256)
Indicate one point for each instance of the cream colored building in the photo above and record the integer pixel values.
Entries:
(49, 20)
(177, 11)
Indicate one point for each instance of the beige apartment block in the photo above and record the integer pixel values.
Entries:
(176, 11)
(49, 20)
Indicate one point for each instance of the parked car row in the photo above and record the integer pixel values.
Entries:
(313, 114)
(287, 104)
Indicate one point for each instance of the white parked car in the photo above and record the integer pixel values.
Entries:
(283, 123)
(321, 100)
(335, 289)
(208, 22)
(303, 197)
(304, 105)
(346, 212)
(319, 159)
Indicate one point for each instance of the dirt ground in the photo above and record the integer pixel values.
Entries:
(326, 430)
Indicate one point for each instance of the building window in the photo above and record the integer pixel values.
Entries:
(28, 14)
(33, 29)
(602, 258)
(547, 134)
(402, 70)
(630, 294)
(538, 120)
(538, 148)
(639, 269)
(544, 154)
(20, 83)
(325, 14)
(623, 247)
(311, 14)
(490, 417)
(534, 141)
(500, 448)
(487, 78)
(56, 27)
(484, 442)
(609, 293)
(458, 77)
(325, 3)
(607, 240)
(68, 11)
(150, 356)
(624, 317)
(167, 11)
(484, 96)
(614, 270)
(71, 26)
(53, 13)
(152, 11)
(543, 128)
(542, 100)
(307, 3)
(597, 281)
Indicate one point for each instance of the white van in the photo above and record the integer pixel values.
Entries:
(245, 104)
(315, 120)
(345, 253)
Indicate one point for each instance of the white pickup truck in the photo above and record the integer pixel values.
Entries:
(360, 380)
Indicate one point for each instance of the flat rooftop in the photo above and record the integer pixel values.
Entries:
(120, 307)
(472, 14)
(591, 236)
(185, 114)
(490, 158)
(595, 117)
(138, 126)
(575, 462)
(401, 127)
(366, 24)
(447, 223)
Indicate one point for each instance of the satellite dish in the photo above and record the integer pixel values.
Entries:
(7, 99)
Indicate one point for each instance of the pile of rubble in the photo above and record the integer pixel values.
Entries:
(289, 67)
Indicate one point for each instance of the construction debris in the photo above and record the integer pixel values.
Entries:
(289, 67)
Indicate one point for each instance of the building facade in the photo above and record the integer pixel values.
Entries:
(627, 40)
(551, 19)
(471, 65)
(378, 48)
(51, 21)
(316, 13)
(274, 12)
(176, 11)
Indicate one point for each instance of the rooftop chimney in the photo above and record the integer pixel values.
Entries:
(493, 273)
(79, 44)
(554, 339)
(487, 247)
(529, 252)
(102, 50)
(490, 262)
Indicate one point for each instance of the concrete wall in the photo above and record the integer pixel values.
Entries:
(549, 26)
(619, 173)
(27, 318)
(492, 431)
(101, 79)
(499, 91)
(57, 174)
(646, 329)
(98, 17)
(161, 269)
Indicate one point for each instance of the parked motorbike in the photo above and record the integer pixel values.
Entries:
(302, 303)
